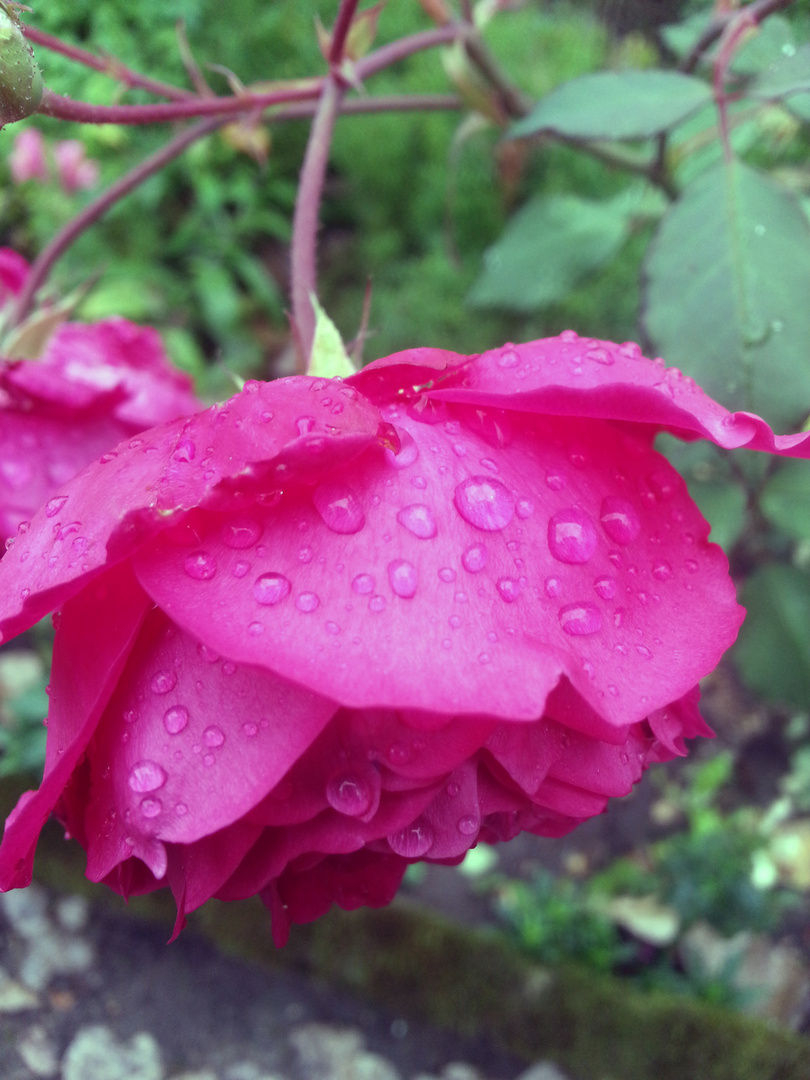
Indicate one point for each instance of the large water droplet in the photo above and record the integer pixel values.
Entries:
(349, 793)
(403, 578)
(307, 602)
(468, 825)
(339, 507)
(150, 808)
(475, 558)
(53, 506)
(363, 584)
(580, 619)
(556, 481)
(600, 356)
(484, 503)
(271, 589)
(408, 450)
(605, 587)
(305, 424)
(213, 736)
(185, 450)
(413, 841)
(572, 536)
(508, 589)
(418, 519)
(146, 776)
(201, 565)
(175, 719)
(163, 681)
(508, 358)
(662, 571)
(241, 533)
(619, 519)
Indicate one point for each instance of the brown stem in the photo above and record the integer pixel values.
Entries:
(108, 65)
(99, 206)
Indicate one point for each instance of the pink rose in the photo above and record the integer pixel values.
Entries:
(326, 629)
(27, 158)
(75, 170)
(13, 274)
(94, 386)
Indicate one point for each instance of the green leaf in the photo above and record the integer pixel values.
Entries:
(788, 75)
(786, 499)
(329, 359)
(616, 105)
(546, 248)
(772, 653)
(726, 281)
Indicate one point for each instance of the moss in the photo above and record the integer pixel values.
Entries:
(419, 965)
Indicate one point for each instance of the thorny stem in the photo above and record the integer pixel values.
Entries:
(755, 12)
(729, 41)
(340, 31)
(108, 65)
(99, 206)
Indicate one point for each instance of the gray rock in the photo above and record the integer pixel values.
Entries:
(332, 1053)
(72, 913)
(14, 997)
(543, 1070)
(27, 911)
(96, 1054)
(54, 953)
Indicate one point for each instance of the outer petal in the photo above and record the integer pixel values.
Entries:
(187, 745)
(96, 632)
(283, 429)
(573, 376)
(468, 573)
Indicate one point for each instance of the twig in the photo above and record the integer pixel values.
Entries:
(756, 12)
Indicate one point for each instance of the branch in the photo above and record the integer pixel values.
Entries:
(340, 31)
(107, 65)
(756, 12)
(99, 206)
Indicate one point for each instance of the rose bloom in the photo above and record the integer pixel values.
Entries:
(95, 385)
(330, 628)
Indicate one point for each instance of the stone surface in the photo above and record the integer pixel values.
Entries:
(96, 1054)
(38, 1051)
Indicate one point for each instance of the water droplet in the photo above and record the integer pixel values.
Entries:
(53, 506)
(691, 566)
(207, 654)
(413, 841)
(475, 558)
(484, 658)
(213, 736)
(271, 589)
(572, 536)
(241, 533)
(556, 481)
(408, 450)
(175, 719)
(349, 793)
(553, 586)
(201, 565)
(255, 629)
(240, 568)
(339, 507)
(508, 358)
(304, 424)
(508, 589)
(619, 520)
(524, 508)
(68, 530)
(642, 650)
(580, 619)
(163, 681)
(307, 602)
(185, 450)
(484, 503)
(418, 520)
(662, 571)
(363, 584)
(146, 776)
(376, 603)
(403, 578)
(250, 729)
(468, 826)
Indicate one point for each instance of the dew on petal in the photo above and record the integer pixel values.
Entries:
(250, 729)
(643, 651)
(255, 629)
(485, 503)
(271, 589)
(146, 776)
(403, 578)
(556, 481)
(418, 519)
(240, 568)
(408, 450)
(307, 602)
(304, 424)
(508, 358)
(363, 584)
(413, 841)
(376, 603)
(201, 565)
(600, 356)
(619, 519)
(691, 566)
(163, 681)
(605, 587)
(447, 574)
(339, 507)
(150, 808)
(572, 536)
(475, 558)
(241, 533)
(213, 736)
(185, 450)
(175, 719)
(580, 619)
(553, 586)
(53, 506)
(508, 589)
(349, 793)
(662, 571)
(468, 825)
